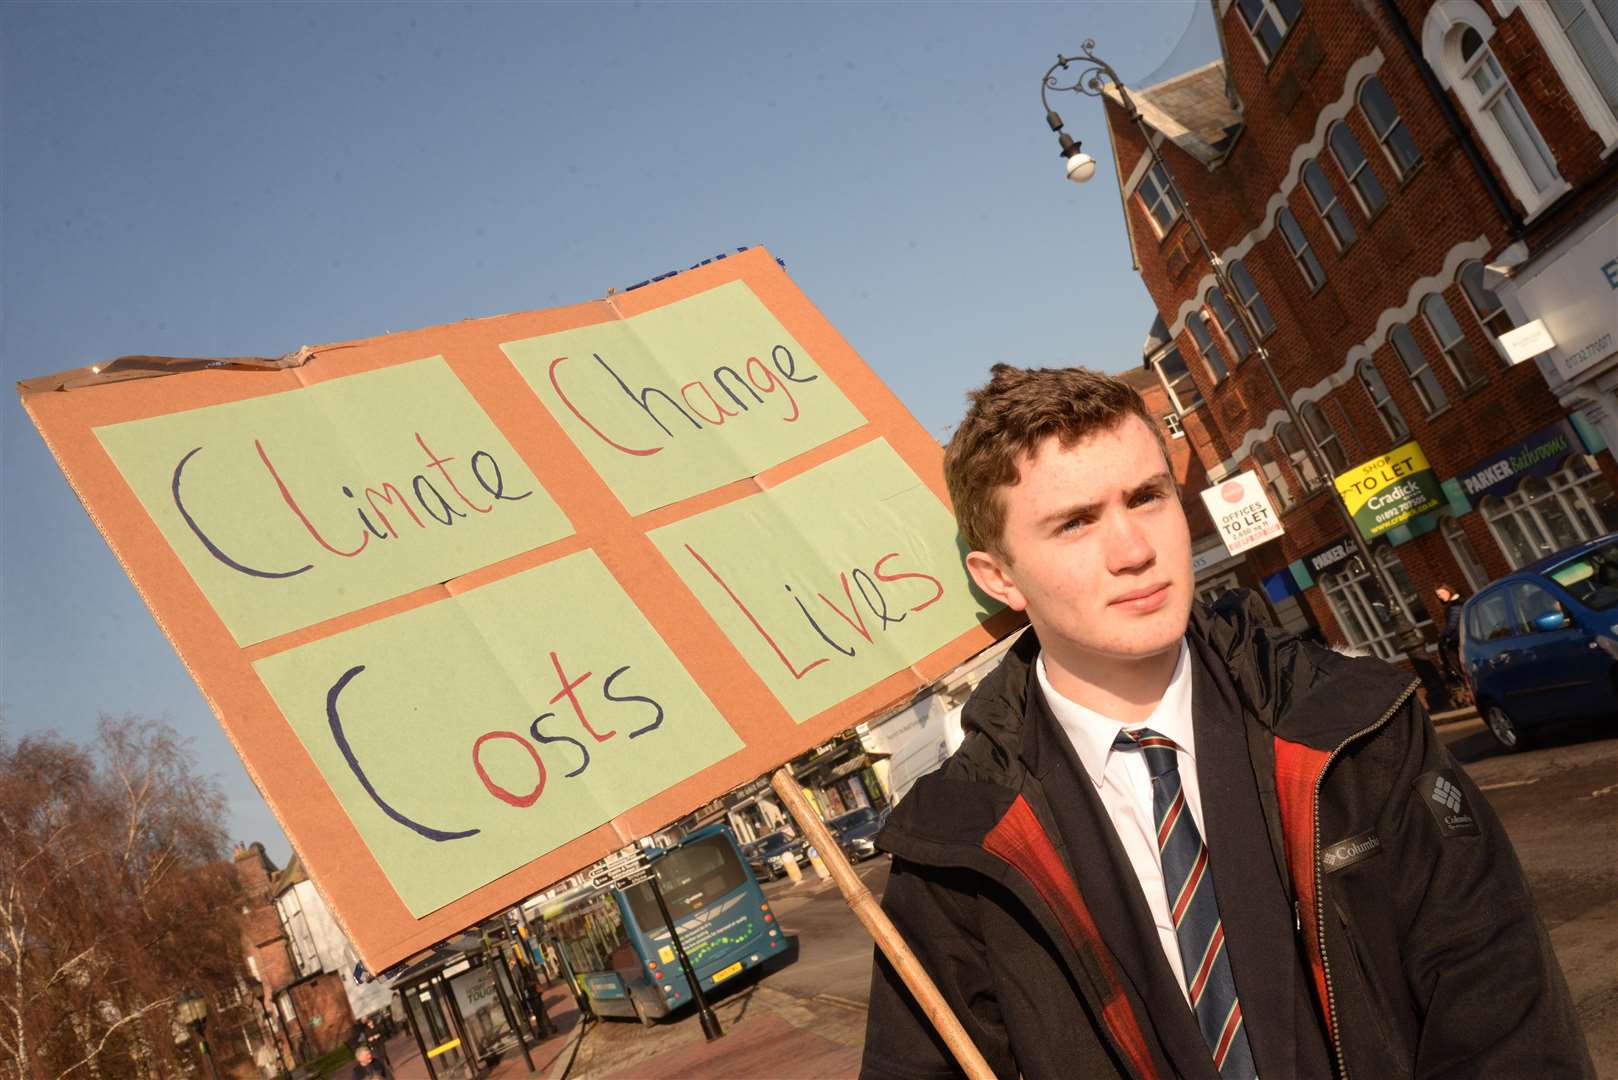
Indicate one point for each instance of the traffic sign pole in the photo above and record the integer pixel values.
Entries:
(710, 1023)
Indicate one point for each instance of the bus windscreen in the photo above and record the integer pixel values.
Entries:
(691, 877)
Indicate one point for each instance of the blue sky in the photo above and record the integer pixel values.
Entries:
(243, 179)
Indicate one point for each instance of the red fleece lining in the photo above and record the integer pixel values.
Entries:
(1020, 840)
(1297, 771)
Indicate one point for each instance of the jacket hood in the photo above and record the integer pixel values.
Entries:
(1300, 691)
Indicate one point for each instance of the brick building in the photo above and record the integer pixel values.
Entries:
(303, 966)
(1378, 178)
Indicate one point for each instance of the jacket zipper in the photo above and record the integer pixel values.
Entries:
(1320, 891)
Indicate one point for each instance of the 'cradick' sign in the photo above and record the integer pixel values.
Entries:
(1390, 490)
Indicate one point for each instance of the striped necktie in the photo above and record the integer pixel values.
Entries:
(1188, 880)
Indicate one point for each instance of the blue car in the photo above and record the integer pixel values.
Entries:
(1541, 644)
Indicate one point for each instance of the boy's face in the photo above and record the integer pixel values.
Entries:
(1097, 549)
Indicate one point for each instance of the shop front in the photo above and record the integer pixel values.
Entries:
(1569, 294)
(1543, 493)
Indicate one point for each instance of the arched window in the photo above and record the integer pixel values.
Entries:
(1297, 453)
(1465, 556)
(1302, 254)
(1270, 469)
(1403, 588)
(1356, 170)
(1329, 207)
(1268, 21)
(1422, 380)
(1386, 408)
(1500, 115)
(1485, 304)
(1463, 362)
(1581, 39)
(1541, 517)
(1213, 354)
(1314, 418)
(1248, 296)
(1235, 333)
(1389, 128)
(1361, 608)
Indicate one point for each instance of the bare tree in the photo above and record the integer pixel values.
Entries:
(116, 895)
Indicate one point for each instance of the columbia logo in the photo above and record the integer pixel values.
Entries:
(1447, 794)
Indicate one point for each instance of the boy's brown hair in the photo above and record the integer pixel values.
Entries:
(1011, 417)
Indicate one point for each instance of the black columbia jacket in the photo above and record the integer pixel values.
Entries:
(1427, 960)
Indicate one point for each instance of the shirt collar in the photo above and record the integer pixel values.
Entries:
(1092, 733)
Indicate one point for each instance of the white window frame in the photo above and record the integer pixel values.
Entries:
(1348, 590)
(1395, 423)
(1302, 461)
(1181, 407)
(1449, 347)
(1573, 489)
(1363, 173)
(1335, 227)
(1384, 138)
(1252, 301)
(1446, 23)
(1413, 373)
(1305, 258)
(1157, 176)
(1564, 56)
(1495, 322)
(1460, 548)
(1174, 425)
(1267, 9)
(1409, 601)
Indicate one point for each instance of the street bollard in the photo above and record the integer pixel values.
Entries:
(820, 866)
(789, 863)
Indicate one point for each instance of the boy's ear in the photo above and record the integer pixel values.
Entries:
(991, 572)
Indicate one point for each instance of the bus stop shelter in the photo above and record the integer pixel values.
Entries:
(467, 1002)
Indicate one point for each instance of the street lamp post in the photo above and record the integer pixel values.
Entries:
(192, 1011)
(1093, 78)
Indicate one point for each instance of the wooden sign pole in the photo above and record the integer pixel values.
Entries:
(881, 928)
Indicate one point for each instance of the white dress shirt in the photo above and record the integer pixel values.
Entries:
(1125, 785)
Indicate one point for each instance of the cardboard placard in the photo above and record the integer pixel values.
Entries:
(480, 603)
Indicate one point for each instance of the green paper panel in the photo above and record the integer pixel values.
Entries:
(687, 397)
(426, 699)
(800, 576)
(264, 482)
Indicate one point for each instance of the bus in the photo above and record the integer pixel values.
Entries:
(619, 948)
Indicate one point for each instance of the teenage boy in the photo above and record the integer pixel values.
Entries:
(1177, 843)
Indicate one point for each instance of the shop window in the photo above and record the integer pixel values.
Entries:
(1542, 517)
(1158, 197)
(1314, 418)
(1410, 602)
(1270, 469)
(1302, 254)
(1302, 464)
(1388, 127)
(1213, 354)
(1328, 206)
(1386, 407)
(1228, 321)
(1177, 381)
(1356, 170)
(1361, 608)
(1486, 305)
(1247, 295)
(1463, 362)
(1422, 380)
(1466, 557)
(1268, 22)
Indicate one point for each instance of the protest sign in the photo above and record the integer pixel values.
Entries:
(1241, 510)
(481, 603)
(1390, 490)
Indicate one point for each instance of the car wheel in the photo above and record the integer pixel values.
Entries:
(1503, 728)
